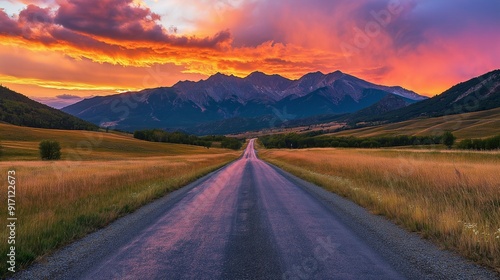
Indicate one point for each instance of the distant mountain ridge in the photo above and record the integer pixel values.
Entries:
(223, 99)
(18, 109)
(259, 86)
(387, 104)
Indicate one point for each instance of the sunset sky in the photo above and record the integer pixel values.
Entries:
(60, 50)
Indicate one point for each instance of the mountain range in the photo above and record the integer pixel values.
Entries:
(227, 104)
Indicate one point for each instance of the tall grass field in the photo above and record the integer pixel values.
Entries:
(101, 177)
(451, 198)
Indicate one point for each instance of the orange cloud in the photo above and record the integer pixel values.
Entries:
(408, 43)
(40, 34)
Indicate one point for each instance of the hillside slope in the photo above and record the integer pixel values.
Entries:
(18, 109)
(386, 104)
(21, 143)
(469, 125)
(476, 94)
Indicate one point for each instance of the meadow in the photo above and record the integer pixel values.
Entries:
(101, 177)
(21, 143)
(449, 197)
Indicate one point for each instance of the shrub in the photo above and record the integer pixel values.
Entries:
(465, 144)
(207, 144)
(50, 150)
(448, 139)
(231, 143)
(370, 144)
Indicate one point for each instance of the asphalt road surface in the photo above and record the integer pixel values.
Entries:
(250, 220)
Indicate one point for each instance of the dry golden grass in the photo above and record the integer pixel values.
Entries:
(101, 177)
(450, 198)
(58, 202)
(21, 143)
(479, 124)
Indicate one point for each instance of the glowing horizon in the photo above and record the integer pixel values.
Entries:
(53, 48)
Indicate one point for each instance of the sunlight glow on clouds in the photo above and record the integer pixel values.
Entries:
(425, 45)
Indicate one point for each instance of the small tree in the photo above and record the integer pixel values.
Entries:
(448, 139)
(50, 150)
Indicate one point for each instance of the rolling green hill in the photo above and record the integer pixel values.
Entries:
(18, 109)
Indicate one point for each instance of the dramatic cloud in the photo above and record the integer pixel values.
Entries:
(117, 19)
(8, 26)
(34, 15)
(124, 20)
(422, 45)
(98, 21)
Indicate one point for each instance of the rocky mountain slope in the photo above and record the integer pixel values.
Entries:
(227, 99)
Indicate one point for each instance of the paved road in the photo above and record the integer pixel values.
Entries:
(250, 220)
(247, 222)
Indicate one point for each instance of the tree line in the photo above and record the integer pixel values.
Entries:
(299, 141)
(491, 143)
(158, 135)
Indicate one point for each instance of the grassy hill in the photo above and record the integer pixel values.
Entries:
(477, 94)
(18, 109)
(469, 125)
(21, 143)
